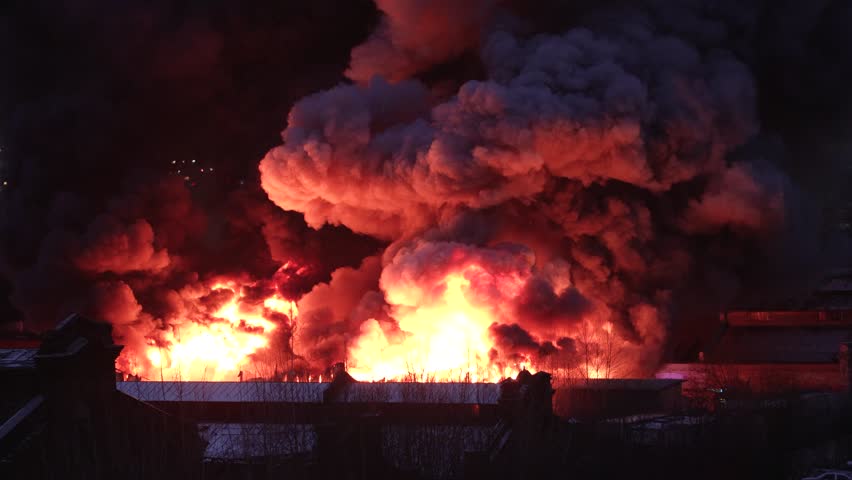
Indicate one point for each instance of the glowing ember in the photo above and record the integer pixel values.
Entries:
(218, 347)
(443, 340)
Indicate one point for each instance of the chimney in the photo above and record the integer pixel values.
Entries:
(844, 360)
(337, 369)
(340, 379)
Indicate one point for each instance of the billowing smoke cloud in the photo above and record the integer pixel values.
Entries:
(601, 164)
(416, 35)
(107, 247)
(331, 312)
(618, 139)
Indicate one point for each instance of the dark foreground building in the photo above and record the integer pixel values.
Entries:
(65, 416)
(346, 429)
(771, 353)
(62, 417)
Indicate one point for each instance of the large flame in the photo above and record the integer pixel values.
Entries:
(442, 332)
(446, 339)
(219, 347)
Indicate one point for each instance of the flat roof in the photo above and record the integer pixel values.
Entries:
(224, 391)
(291, 392)
(411, 392)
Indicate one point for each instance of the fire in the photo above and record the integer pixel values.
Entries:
(442, 329)
(217, 348)
(443, 340)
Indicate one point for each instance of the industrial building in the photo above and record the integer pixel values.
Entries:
(800, 347)
(599, 398)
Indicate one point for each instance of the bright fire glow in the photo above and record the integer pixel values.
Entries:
(215, 348)
(443, 333)
(445, 340)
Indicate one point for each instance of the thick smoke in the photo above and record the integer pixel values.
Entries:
(640, 166)
(416, 35)
(612, 149)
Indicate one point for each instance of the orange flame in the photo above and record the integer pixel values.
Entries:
(216, 348)
(443, 340)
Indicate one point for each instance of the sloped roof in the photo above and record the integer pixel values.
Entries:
(12, 414)
(17, 358)
(751, 344)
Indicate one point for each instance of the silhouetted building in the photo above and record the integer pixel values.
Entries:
(771, 352)
(348, 429)
(63, 418)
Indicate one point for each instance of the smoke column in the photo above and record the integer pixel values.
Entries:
(579, 189)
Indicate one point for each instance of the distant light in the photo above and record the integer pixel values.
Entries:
(174, 162)
(193, 160)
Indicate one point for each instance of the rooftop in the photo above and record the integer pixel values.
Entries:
(247, 392)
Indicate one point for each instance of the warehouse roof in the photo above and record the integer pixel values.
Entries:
(224, 391)
(356, 392)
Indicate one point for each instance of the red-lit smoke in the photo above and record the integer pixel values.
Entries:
(549, 200)
(542, 216)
